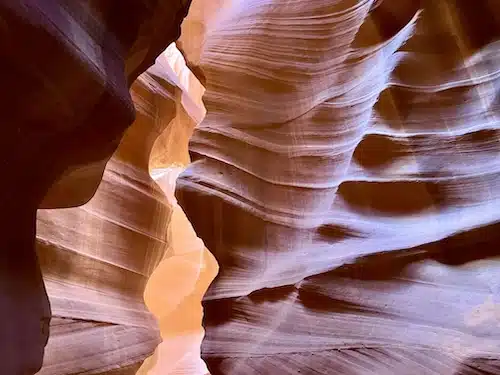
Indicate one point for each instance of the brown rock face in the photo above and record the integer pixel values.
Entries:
(66, 104)
(97, 258)
(130, 244)
(346, 178)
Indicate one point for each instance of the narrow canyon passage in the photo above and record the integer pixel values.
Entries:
(307, 187)
(131, 249)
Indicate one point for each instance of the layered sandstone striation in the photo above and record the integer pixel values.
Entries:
(68, 67)
(346, 178)
(129, 244)
(96, 259)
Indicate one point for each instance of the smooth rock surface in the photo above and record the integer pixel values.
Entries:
(346, 178)
(175, 289)
(97, 258)
(67, 66)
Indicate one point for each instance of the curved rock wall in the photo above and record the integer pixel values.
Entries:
(175, 289)
(67, 69)
(127, 267)
(346, 178)
(97, 258)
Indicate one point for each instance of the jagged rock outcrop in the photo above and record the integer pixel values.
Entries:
(67, 70)
(346, 178)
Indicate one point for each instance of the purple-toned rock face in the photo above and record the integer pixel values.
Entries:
(347, 179)
(67, 67)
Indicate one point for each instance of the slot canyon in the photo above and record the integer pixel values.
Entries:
(233, 187)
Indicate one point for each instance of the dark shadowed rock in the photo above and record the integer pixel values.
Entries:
(67, 67)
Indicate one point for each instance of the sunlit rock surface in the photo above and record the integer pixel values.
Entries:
(96, 259)
(176, 287)
(346, 178)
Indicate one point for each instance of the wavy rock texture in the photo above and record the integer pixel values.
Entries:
(176, 287)
(201, 16)
(346, 178)
(97, 258)
(68, 66)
